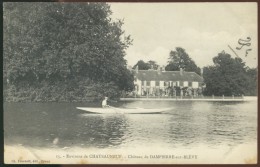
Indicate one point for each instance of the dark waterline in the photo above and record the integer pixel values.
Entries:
(189, 124)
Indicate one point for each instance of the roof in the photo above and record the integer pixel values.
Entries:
(154, 75)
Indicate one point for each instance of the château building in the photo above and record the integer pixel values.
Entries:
(167, 83)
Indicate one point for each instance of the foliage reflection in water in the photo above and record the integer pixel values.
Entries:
(188, 125)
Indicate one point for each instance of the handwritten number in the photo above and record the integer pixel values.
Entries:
(243, 43)
(249, 39)
(247, 51)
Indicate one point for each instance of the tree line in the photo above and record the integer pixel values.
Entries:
(75, 51)
(63, 52)
(228, 76)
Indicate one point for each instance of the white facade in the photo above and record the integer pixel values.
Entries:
(161, 84)
(185, 84)
(139, 88)
(195, 85)
(154, 83)
(138, 85)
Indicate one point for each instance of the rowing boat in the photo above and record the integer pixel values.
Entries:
(114, 110)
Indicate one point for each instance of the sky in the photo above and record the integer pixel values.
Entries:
(202, 29)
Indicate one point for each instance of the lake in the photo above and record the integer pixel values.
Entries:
(189, 125)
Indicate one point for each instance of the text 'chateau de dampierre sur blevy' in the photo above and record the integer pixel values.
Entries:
(167, 83)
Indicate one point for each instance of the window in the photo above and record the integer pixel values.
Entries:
(157, 83)
(148, 83)
(190, 84)
(147, 91)
(181, 83)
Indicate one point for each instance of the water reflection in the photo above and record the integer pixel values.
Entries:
(187, 125)
(105, 130)
(146, 130)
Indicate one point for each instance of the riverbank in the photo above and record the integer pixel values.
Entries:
(241, 154)
(245, 98)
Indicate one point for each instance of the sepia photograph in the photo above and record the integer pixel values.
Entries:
(130, 83)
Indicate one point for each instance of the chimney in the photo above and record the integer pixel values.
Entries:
(136, 69)
(201, 71)
(181, 71)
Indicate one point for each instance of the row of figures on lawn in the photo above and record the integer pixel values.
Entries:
(173, 91)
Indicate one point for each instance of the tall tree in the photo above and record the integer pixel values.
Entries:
(146, 65)
(252, 74)
(141, 65)
(55, 43)
(180, 59)
(228, 76)
(153, 65)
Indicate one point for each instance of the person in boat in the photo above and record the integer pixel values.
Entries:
(104, 103)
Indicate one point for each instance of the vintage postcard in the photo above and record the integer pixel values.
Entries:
(130, 83)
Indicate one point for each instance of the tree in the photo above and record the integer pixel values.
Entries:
(180, 59)
(252, 77)
(61, 44)
(146, 65)
(153, 65)
(228, 76)
(141, 65)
